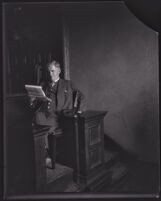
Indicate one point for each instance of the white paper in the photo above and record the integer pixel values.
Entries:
(35, 91)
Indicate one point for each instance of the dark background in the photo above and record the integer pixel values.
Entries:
(85, 53)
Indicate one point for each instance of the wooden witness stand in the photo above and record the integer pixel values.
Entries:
(81, 147)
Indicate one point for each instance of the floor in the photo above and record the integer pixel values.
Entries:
(142, 178)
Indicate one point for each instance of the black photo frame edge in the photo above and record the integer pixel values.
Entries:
(66, 196)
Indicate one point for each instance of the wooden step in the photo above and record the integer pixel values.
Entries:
(59, 178)
(73, 187)
(118, 172)
(116, 164)
(110, 157)
(99, 181)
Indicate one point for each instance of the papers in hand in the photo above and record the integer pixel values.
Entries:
(35, 91)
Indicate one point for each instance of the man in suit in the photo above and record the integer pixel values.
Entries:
(61, 96)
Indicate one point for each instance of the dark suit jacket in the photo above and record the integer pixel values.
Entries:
(65, 94)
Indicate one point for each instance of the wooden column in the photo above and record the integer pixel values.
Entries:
(39, 153)
(91, 146)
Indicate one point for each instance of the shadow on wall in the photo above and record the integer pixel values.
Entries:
(114, 61)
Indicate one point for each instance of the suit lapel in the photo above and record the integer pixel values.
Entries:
(60, 94)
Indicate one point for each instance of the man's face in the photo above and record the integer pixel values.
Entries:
(54, 72)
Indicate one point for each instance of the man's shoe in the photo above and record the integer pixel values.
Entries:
(48, 162)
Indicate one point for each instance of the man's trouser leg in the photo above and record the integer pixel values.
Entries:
(52, 149)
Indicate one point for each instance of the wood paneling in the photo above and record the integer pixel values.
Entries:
(22, 69)
(19, 147)
(31, 38)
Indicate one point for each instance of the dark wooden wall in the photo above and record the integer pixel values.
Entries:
(19, 146)
(33, 36)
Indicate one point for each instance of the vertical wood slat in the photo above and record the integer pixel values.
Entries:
(38, 73)
(8, 84)
(40, 161)
(39, 59)
(14, 70)
(23, 62)
(34, 60)
(17, 73)
(49, 57)
(66, 49)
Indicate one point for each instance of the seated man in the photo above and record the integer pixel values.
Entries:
(62, 95)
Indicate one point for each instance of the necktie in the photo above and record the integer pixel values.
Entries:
(52, 94)
(53, 83)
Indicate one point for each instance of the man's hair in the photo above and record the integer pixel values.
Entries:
(54, 63)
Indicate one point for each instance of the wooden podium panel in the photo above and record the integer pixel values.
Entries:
(91, 151)
(82, 145)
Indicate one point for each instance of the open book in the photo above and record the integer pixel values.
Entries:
(35, 91)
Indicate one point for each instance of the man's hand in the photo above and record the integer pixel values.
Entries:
(47, 99)
(32, 99)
